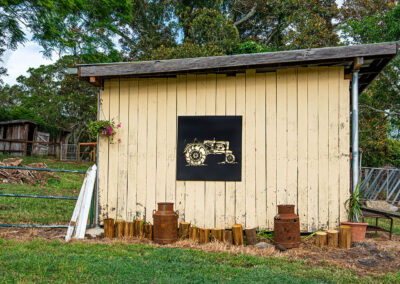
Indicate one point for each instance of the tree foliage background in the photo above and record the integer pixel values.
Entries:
(88, 31)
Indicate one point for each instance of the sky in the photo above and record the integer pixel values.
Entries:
(29, 55)
(24, 57)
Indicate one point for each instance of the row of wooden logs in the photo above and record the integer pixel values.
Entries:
(334, 238)
(122, 229)
(204, 235)
(138, 228)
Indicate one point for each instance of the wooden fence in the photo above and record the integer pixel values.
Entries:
(6, 146)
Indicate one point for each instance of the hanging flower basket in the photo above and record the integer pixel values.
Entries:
(104, 128)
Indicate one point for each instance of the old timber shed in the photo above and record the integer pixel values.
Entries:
(291, 110)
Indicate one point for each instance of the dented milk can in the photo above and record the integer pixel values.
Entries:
(287, 227)
(165, 230)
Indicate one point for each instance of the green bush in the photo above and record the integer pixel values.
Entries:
(393, 158)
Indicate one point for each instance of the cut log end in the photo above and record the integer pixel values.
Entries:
(184, 230)
(333, 238)
(237, 232)
(321, 239)
(228, 238)
(139, 228)
(109, 228)
(193, 233)
(120, 228)
(204, 236)
(344, 237)
(251, 236)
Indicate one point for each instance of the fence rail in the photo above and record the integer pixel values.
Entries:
(43, 169)
(45, 197)
(39, 196)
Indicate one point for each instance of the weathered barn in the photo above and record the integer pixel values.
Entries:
(15, 136)
(294, 108)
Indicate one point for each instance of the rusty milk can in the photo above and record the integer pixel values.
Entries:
(165, 230)
(287, 227)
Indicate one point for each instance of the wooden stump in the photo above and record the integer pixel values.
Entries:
(120, 228)
(237, 232)
(193, 233)
(204, 236)
(321, 239)
(109, 228)
(251, 236)
(138, 228)
(184, 230)
(148, 231)
(345, 237)
(217, 234)
(333, 238)
(228, 237)
(126, 229)
(131, 229)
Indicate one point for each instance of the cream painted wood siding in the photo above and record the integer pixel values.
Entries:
(296, 138)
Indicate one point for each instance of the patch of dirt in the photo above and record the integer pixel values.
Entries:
(384, 255)
(24, 176)
(376, 256)
(27, 234)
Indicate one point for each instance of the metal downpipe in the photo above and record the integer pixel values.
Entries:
(354, 129)
(354, 132)
(96, 217)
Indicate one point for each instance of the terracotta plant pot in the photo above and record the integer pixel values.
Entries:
(358, 231)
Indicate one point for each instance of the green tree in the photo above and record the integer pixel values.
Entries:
(206, 32)
(287, 24)
(64, 26)
(380, 103)
(55, 98)
(151, 26)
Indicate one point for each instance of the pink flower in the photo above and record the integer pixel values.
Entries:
(103, 132)
(119, 140)
(119, 125)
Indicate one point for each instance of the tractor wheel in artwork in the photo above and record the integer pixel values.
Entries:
(230, 158)
(195, 154)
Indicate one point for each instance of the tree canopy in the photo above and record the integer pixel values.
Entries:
(88, 31)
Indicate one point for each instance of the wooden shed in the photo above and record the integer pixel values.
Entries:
(294, 110)
(21, 129)
(15, 136)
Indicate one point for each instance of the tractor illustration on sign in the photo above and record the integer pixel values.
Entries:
(197, 152)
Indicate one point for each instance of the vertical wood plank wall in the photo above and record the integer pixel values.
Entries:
(295, 147)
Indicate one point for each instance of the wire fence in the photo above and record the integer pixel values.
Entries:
(69, 152)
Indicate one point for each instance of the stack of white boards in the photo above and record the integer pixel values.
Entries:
(80, 215)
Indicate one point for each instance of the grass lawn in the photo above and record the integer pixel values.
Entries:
(42, 211)
(56, 261)
(43, 261)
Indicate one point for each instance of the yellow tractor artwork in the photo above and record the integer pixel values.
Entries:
(197, 152)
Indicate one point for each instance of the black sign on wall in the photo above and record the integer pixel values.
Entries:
(209, 148)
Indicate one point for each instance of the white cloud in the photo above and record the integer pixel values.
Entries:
(20, 60)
